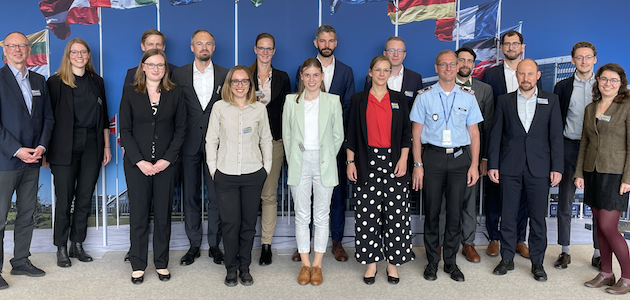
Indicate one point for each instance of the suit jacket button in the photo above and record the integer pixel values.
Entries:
(152, 123)
(156, 137)
(322, 161)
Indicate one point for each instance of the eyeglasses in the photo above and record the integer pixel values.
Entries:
(243, 82)
(20, 46)
(588, 57)
(152, 66)
(262, 49)
(445, 64)
(613, 81)
(75, 52)
(515, 44)
(392, 51)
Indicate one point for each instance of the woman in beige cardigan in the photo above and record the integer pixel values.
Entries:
(603, 171)
(312, 131)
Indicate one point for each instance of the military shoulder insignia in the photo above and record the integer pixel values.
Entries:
(428, 88)
(467, 89)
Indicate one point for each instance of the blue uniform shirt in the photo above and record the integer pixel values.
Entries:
(432, 107)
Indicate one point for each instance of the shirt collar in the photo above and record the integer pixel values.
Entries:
(209, 68)
(463, 82)
(400, 74)
(534, 95)
(590, 80)
(439, 89)
(507, 67)
(15, 72)
(332, 64)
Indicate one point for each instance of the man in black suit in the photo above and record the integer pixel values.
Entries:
(26, 123)
(526, 150)
(202, 81)
(503, 80)
(151, 39)
(574, 93)
(401, 79)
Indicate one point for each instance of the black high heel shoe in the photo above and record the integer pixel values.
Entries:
(164, 277)
(137, 280)
(370, 280)
(392, 280)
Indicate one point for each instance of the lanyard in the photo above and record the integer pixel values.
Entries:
(444, 108)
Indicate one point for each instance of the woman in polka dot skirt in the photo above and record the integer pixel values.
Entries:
(378, 140)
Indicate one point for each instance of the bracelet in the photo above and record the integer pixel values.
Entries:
(349, 162)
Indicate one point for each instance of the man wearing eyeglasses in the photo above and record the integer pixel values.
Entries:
(503, 80)
(151, 39)
(575, 93)
(201, 81)
(446, 159)
(26, 122)
(401, 79)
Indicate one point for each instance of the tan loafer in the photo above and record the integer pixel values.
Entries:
(493, 248)
(316, 276)
(522, 249)
(305, 275)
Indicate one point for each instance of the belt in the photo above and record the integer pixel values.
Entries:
(444, 150)
(571, 140)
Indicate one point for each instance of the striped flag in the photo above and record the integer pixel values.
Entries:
(61, 13)
(475, 22)
(122, 4)
(112, 125)
(37, 60)
(418, 10)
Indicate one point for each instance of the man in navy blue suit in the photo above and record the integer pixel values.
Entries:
(338, 80)
(526, 152)
(26, 122)
(151, 39)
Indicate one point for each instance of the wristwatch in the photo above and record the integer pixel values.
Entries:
(349, 162)
(417, 164)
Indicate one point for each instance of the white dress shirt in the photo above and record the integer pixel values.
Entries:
(265, 87)
(311, 121)
(394, 83)
(526, 108)
(204, 84)
(511, 83)
(329, 73)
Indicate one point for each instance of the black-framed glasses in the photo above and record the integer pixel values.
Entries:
(243, 82)
(514, 44)
(152, 66)
(613, 81)
(263, 49)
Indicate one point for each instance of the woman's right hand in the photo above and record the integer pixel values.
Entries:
(579, 183)
(145, 167)
(45, 163)
(351, 171)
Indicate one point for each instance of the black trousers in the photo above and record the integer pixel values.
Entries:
(493, 212)
(239, 200)
(146, 192)
(444, 174)
(536, 190)
(76, 182)
(192, 166)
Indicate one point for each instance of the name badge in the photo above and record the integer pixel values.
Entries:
(100, 102)
(247, 130)
(543, 101)
(458, 153)
(447, 138)
(301, 147)
(259, 93)
(36, 92)
(219, 90)
(604, 118)
(395, 105)
(409, 93)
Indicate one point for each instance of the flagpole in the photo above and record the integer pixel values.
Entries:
(236, 32)
(103, 173)
(520, 30)
(498, 36)
(48, 49)
(157, 8)
(52, 177)
(320, 13)
(457, 24)
(396, 25)
(117, 187)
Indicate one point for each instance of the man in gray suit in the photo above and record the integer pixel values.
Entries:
(26, 122)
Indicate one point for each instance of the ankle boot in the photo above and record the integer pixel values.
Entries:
(76, 250)
(62, 257)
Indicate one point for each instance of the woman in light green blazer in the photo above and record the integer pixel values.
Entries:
(312, 131)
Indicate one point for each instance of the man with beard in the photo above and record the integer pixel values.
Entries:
(526, 155)
(201, 81)
(338, 80)
(503, 80)
(574, 93)
(151, 39)
(483, 93)
(401, 79)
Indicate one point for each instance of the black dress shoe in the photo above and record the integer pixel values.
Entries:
(246, 278)
(231, 279)
(391, 279)
(163, 277)
(563, 260)
(190, 256)
(28, 269)
(597, 263)
(296, 256)
(370, 280)
(539, 273)
(430, 272)
(3, 283)
(137, 280)
(127, 257)
(216, 253)
(456, 273)
(76, 251)
(62, 257)
(503, 267)
(265, 255)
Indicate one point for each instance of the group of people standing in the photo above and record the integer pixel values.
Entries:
(236, 126)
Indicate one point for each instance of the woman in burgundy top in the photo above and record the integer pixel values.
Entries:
(378, 140)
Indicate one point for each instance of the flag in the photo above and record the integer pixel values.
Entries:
(334, 4)
(418, 10)
(112, 125)
(184, 2)
(476, 22)
(36, 61)
(122, 4)
(61, 13)
(257, 3)
(486, 50)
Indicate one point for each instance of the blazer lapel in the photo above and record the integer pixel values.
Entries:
(218, 85)
(502, 74)
(190, 82)
(275, 84)
(362, 117)
(299, 114)
(395, 113)
(514, 109)
(13, 85)
(322, 117)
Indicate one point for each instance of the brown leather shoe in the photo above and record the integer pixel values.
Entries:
(620, 288)
(337, 250)
(316, 276)
(471, 254)
(563, 260)
(305, 275)
(296, 256)
(493, 248)
(522, 249)
(600, 281)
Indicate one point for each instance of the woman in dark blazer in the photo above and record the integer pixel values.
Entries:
(378, 140)
(603, 171)
(78, 146)
(152, 127)
(271, 86)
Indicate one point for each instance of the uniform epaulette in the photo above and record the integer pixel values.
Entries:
(467, 89)
(428, 88)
